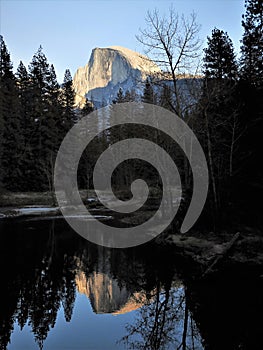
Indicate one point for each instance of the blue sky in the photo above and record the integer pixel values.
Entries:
(68, 30)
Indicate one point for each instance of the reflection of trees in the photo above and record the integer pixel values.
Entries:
(40, 275)
(163, 322)
(38, 268)
(228, 309)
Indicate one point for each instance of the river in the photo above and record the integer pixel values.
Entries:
(59, 291)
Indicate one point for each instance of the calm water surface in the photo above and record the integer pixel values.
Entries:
(60, 292)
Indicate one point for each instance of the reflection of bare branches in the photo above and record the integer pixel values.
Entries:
(163, 322)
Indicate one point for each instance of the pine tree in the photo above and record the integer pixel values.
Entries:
(5, 71)
(54, 114)
(219, 59)
(129, 96)
(218, 124)
(11, 135)
(87, 109)
(87, 158)
(68, 98)
(52, 123)
(120, 98)
(41, 111)
(252, 42)
(23, 84)
(27, 124)
(251, 92)
(148, 93)
(39, 88)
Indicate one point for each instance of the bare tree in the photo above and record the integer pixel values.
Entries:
(173, 43)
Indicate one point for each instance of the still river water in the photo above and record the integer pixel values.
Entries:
(61, 292)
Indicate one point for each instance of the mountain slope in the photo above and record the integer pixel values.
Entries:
(109, 69)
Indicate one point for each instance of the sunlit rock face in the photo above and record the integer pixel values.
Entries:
(109, 69)
(106, 296)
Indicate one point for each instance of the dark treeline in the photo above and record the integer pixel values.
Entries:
(229, 118)
(37, 112)
(227, 115)
(35, 115)
(225, 112)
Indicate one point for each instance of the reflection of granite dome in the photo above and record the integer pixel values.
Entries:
(105, 295)
(136, 301)
(107, 70)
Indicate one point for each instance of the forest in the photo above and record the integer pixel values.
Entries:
(36, 112)
(200, 289)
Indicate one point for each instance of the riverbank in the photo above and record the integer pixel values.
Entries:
(20, 199)
(209, 250)
(212, 253)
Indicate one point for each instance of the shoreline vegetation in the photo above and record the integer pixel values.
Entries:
(225, 113)
(209, 252)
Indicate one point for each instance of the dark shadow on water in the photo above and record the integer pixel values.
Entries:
(44, 264)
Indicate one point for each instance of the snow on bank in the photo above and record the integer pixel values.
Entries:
(82, 217)
(28, 211)
(40, 213)
(37, 210)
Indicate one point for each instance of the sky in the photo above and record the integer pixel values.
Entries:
(69, 29)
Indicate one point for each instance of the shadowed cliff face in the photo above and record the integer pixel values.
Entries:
(107, 70)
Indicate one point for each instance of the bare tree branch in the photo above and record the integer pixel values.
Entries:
(173, 43)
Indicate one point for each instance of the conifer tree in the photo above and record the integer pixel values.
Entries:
(252, 42)
(54, 114)
(27, 124)
(40, 77)
(251, 92)
(88, 108)
(68, 98)
(148, 93)
(129, 96)
(10, 120)
(218, 125)
(219, 59)
(23, 84)
(52, 122)
(39, 86)
(120, 97)
(88, 155)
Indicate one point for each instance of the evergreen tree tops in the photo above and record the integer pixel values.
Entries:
(6, 65)
(148, 93)
(252, 42)
(11, 139)
(68, 98)
(219, 59)
(35, 115)
(128, 96)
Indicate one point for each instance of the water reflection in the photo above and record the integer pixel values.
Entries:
(164, 323)
(144, 297)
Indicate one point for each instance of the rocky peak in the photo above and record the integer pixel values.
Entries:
(107, 70)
